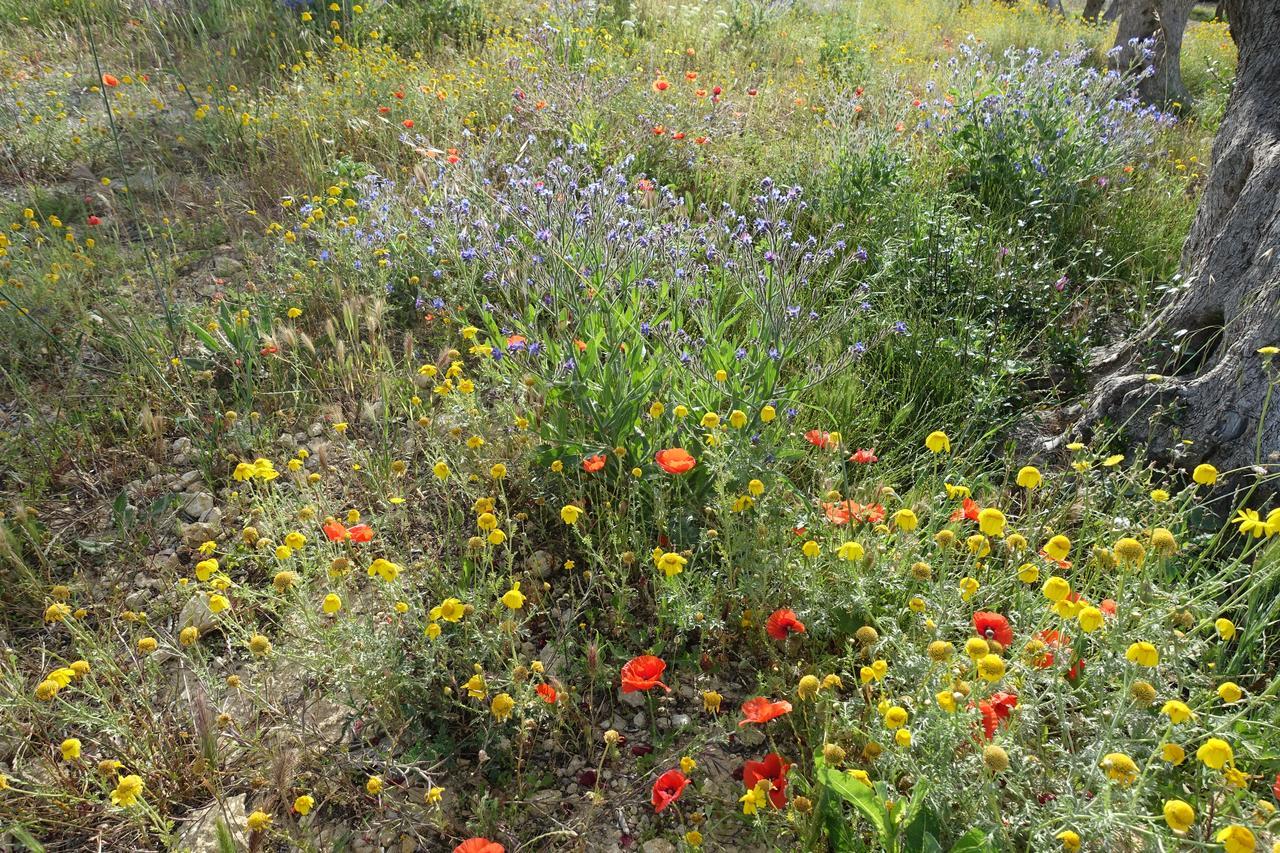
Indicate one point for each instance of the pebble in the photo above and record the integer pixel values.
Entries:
(197, 505)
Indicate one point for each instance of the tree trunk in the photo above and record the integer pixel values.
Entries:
(1054, 6)
(1114, 10)
(1092, 8)
(1215, 387)
(1156, 26)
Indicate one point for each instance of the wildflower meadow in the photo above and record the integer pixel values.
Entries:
(606, 425)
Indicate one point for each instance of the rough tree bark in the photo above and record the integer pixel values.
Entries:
(1092, 9)
(1163, 23)
(1204, 341)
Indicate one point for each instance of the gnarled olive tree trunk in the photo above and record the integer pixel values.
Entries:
(1161, 23)
(1204, 341)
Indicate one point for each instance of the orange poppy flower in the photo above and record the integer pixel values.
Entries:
(782, 623)
(818, 438)
(969, 510)
(761, 710)
(110, 80)
(335, 531)
(675, 460)
(479, 845)
(642, 674)
(360, 533)
(408, 123)
(547, 692)
(593, 464)
(661, 85)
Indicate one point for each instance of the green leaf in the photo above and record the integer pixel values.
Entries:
(869, 801)
(973, 841)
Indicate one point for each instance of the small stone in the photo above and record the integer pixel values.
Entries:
(658, 845)
(638, 721)
(197, 505)
(225, 266)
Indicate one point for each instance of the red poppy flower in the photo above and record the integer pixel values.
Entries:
(547, 692)
(659, 129)
(782, 623)
(110, 80)
(675, 460)
(593, 464)
(864, 456)
(384, 110)
(668, 788)
(818, 438)
(335, 531)
(360, 533)
(1052, 640)
(399, 94)
(678, 135)
(408, 123)
(1076, 669)
(93, 220)
(642, 673)
(700, 140)
(773, 768)
(841, 512)
(660, 85)
(479, 845)
(996, 710)
(969, 510)
(762, 710)
(716, 90)
(993, 626)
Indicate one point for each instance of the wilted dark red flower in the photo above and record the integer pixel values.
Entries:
(783, 622)
(993, 626)
(864, 456)
(761, 710)
(675, 460)
(593, 464)
(667, 789)
(773, 768)
(642, 673)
